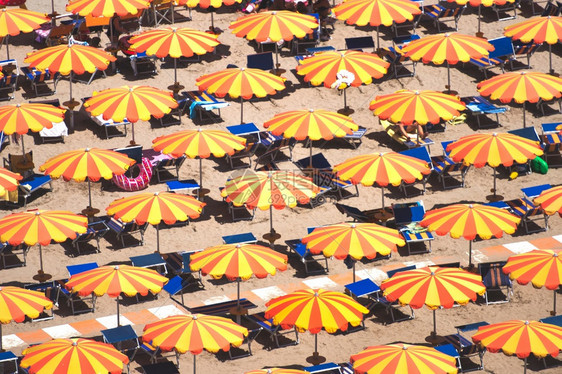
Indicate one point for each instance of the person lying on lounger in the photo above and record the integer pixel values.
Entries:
(413, 128)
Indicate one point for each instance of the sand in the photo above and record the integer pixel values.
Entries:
(526, 303)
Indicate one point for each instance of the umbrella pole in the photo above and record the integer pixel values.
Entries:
(238, 316)
(172, 9)
(200, 172)
(448, 78)
(158, 237)
(377, 38)
(551, 71)
(41, 259)
(345, 99)
(175, 70)
(553, 313)
(22, 147)
(133, 131)
(195, 356)
(117, 299)
(8, 50)
(354, 270)
(382, 194)
(213, 30)
(271, 219)
(470, 253)
(241, 110)
(315, 345)
(434, 324)
(479, 33)
(89, 194)
(310, 143)
(524, 119)
(277, 58)
(495, 183)
(525, 366)
(71, 107)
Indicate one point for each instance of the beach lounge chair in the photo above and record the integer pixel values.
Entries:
(203, 102)
(249, 152)
(263, 61)
(494, 279)
(178, 263)
(124, 339)
(142, 64)
(275, 331)
(121, 229)
(356, 214)
(43, 82)
(360, 43)
(237, 352)
(551, 9)
(410, 141)
(9, 82)
(444, 14)
(246, 215)
(529, 133)
(308, 41)
(450, 350)
(325, 368)
(166, 367)
(161, 12)
(243, 238)
(446, 168)
(503, 51)
(407, 217)
(96, 230)
(222, 308)
(187, 185)
(298, 248)
(9, 358)
(464, 347)
(392, 307)
(156, 353)
(398, 62)
(78, 304)
(534, 191)
(152, 261)
(421, 153)
(552, 140)
(59, 34)
(59, 129)
(169, 166)
(7, 250)
(106, 123)
(478, 106)
(521, 49)
(507, 7)
(408, 24)
(51, 291)
(273, 149)
(528, 212)
(31, 181)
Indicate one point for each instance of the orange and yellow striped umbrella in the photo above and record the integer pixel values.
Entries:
(156, 207)
(16, 20)
(41, 227)
(241, 82)
(276, 371)
(73, 356)
(402, 358)
(538, 30)
(550, 200)
(376, 12)
(408, 106)
(543, 268)
(357, 240)
(521, 338)
(274, 26)
(451, 48)
(433, 286)
(17, 303)
(199, 143)
(194, 333)
(314, 310)
(106, 8)
(493, 149)
(114, 280)
(522, 87)
(8, 180)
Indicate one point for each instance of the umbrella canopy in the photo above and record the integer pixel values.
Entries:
(87, 163)
(70, 59)
(131, 102)
(8, 180)
(199, 143)
(408, 106)
(521, 338)
(493, 149)
(41, 227)
(241, 82)
(314, 310)
(21, 118)
(106, 8)
(17, 303)
(382, 169)
(543, 268)
(521, 87)
(174, 42)
(114, 280)
(356, 240)
(451, 48)
(72, 356)
(538, 30)
(433, 286)
(550, 200)
(470, 221)
(194, 333)
(402, 358)
(376, 12)
(154, 208)
(16, 20)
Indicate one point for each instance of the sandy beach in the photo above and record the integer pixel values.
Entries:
(526, 302)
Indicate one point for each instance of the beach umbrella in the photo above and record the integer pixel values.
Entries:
(208, 4)
(311, 124)
(274, 26)
(323, 68)
(382, 169)
(423, 107)
(16, 20)
(354, 240)
(376, 12)
(433, 286)
(115, 280)
(493, 149)
(451, 48)
(550, 200)
(470, 221)
(73, 356)
(106, 8)
(21, 118)
(314, 310)
(241, 82)
(199, 143)
(480, 4)
(276, 371)
(9, 181)
(521, 87)
(194, 333)
(154, 208)
(238, 262)
(92, 164)
(67, 60)
(521, 338)
(41, 227)
(267, 190)
(132, 103)
(543, 268)
(174, 42)
(17, 303)
(402, 358)
(538, 30)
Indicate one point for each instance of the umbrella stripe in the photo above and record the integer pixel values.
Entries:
(376, 12)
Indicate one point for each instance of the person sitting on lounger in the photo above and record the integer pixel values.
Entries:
(413, 128)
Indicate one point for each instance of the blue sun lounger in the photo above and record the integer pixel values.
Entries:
(203, 102)
(407, 217)
(478, 106)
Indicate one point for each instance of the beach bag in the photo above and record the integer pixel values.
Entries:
(538, 165)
